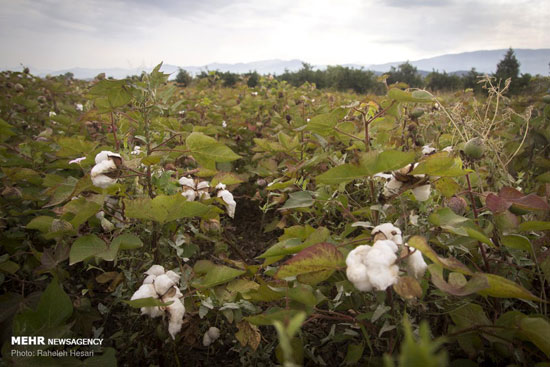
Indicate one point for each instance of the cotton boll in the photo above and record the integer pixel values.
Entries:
(163, 283)
(173, 276)
(145, 291)
(104, 155)
(392, 187)
(422, 193)
(356, 270)
(103, 181)
(213, 333)
(175, 311)
(190, 195)
(149, 279)
(416, 266)
(448, 149)
(206, 340)
(427, 150)
(388, 231)
(186, 181)
(155, 270)
(380, 263)
(220, 186)
(103, 167)
(203, 185)
(385, 176)
(227, 197)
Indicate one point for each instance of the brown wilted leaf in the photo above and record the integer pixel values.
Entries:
(248, 335)
(408, 288)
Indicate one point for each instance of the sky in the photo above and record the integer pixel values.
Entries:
(57, 34)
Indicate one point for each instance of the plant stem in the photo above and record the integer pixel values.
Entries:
(474, 208)
(113, 129)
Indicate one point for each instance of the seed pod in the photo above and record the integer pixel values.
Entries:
(474, 148)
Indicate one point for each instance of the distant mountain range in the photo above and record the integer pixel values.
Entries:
(532, 61)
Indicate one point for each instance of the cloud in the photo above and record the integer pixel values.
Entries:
(110, 33)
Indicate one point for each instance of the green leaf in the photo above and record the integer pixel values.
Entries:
(388, 160)
(324, 124)
(54, 306)
(9, 267)
(42, 223)
(440, 164)
(147, 302)
(300, 199)
(503, 288)
(517, 242)
(354, 353)
(165, 208)
(82, 208)
(303, 294)
(342, 173)
(206, 148)
(215, 275)
(318, 261)
(271, 315)
(127, 241)
(74, 147)
(422, 352)
(448, 220)
(447, 186)
(534, 225)
(86, 247)
(537, 330)
(469, 315)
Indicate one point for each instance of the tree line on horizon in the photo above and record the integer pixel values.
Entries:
(343, 78)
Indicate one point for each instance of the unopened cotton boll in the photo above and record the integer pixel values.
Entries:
(231, 204)
(163, 283)
(422, 193)
(388, 231)
(155, 270)
(416, 266)
(175, 311)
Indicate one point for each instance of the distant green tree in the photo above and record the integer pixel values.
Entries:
(253, 79)
(471, 79)
(437, 81)
(405, 73)
(508, 67)
(183, 77)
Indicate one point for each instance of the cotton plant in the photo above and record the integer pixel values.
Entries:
(163, 285)
(398, 178)
(106, 162)
(376, 267)
(193, 190)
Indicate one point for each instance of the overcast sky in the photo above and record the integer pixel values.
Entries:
(56, 34)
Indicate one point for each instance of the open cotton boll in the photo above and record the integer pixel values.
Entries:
(190, 194)
(173, 276)
(163, 283)
(416, 266)
(356, 270)
(103, 167)
(102, 156)
(392, 187)
(152, 311)
(155, 270)
(210, 336)
(103, 181)
(175, 311)
(145, 291)
(149, 279)
(231, 204)
(186, 181)
(220, 186)
(422, 193)
(427, 150)
(387, 231)
(380, 263)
